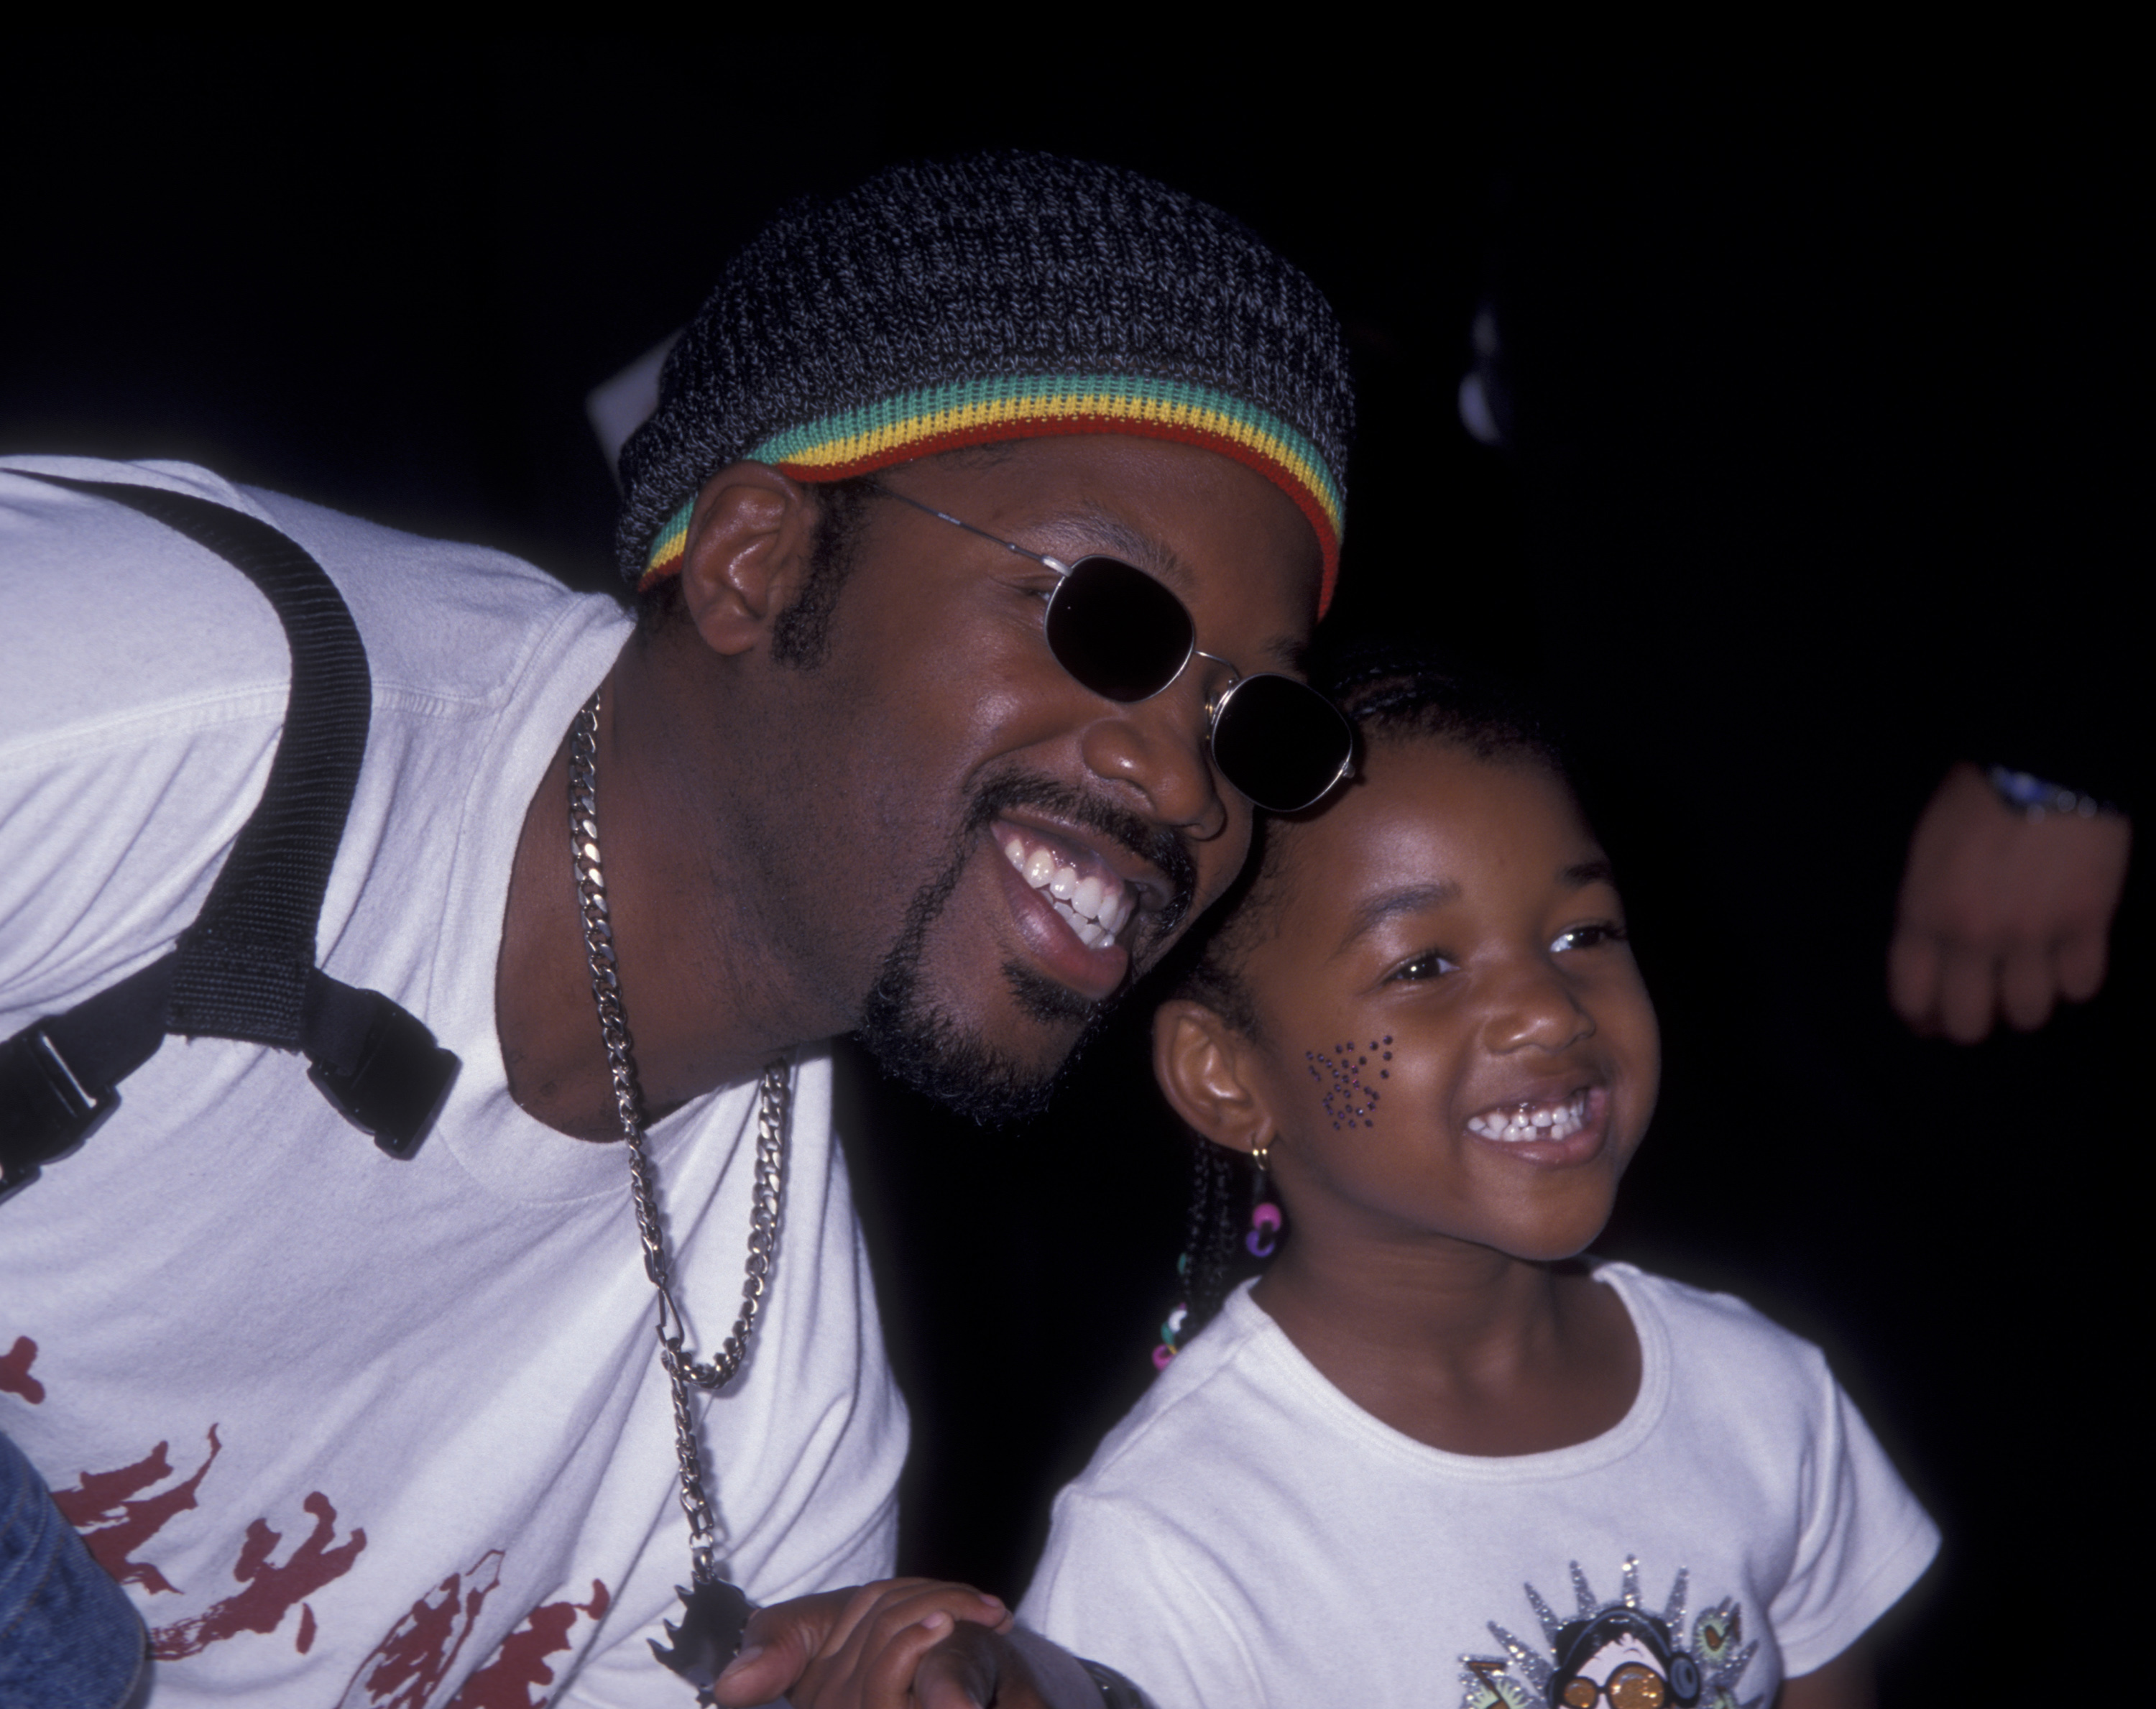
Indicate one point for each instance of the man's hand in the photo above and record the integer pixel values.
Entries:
(976, 1668)
(2000, 913)
(899, 1644)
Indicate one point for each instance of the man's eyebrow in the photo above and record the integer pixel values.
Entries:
(1390, 905)
(1105, 532)
(1598, 871)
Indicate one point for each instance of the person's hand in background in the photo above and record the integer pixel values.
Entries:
(2003, 913)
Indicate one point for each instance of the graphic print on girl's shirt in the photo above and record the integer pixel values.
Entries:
(1615, 1653)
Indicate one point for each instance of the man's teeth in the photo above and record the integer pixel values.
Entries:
(1093, 908)
(1533, 1121)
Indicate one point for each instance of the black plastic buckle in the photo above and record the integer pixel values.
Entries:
(46, 1111)
(399, 1081)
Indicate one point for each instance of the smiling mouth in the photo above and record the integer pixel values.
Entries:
(1088, 898)
(1511, 1123)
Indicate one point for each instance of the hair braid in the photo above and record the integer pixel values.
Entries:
(1208, 1279)
(1219, 1182)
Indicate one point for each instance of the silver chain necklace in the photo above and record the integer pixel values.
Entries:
(710, 1632)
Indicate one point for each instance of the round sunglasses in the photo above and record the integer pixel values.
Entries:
(1635, 1686)
(1126, 637)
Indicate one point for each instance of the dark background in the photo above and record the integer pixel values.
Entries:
(1828, 426)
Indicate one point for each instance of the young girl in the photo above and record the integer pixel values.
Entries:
(1433, 1455)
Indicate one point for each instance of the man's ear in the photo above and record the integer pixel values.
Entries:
(1202, 1066)
(747, 554)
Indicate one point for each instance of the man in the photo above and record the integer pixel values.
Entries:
(340, 1422)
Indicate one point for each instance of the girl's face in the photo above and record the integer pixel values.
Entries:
(1457, 1044)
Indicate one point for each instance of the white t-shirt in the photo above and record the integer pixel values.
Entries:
(1249, 1536)
(352, 1430)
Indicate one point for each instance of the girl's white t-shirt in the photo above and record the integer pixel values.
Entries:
(1249, 1536)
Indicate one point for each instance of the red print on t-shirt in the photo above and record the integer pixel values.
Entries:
(115, 1525)
(518, 1676)
(417, 1654)
(116, 1519)
(15, 1378)
(271, 1591)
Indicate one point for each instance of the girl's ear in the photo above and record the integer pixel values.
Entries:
(1202, 1066)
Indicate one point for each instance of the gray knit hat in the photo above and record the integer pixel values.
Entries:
(998, 297)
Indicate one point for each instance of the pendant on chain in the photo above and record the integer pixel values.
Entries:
(714, 1612)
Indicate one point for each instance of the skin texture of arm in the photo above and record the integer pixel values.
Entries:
(2000, 914)
(1846, 1682)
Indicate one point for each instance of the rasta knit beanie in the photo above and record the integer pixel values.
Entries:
(998, 297)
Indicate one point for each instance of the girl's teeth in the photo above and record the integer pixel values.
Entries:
(1533, 1122)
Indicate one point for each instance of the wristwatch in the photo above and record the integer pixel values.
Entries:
(2033, 798)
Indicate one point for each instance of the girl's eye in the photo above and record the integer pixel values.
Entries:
(1427, 967)
(1588, 937)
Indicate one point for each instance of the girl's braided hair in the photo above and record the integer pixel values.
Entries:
(1391, 693)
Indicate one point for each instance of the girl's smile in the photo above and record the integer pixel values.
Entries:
(1560, 1130)
(1455, 1045)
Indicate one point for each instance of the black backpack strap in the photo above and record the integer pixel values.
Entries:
(243, 963)
(245, 968)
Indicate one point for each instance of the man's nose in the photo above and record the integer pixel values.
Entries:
(1534, 1005)
(1158, 749)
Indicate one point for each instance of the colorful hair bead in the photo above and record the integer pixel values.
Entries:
(1169, 1332)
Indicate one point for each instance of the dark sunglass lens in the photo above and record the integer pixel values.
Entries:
(1280, 741)
(1118, 630)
